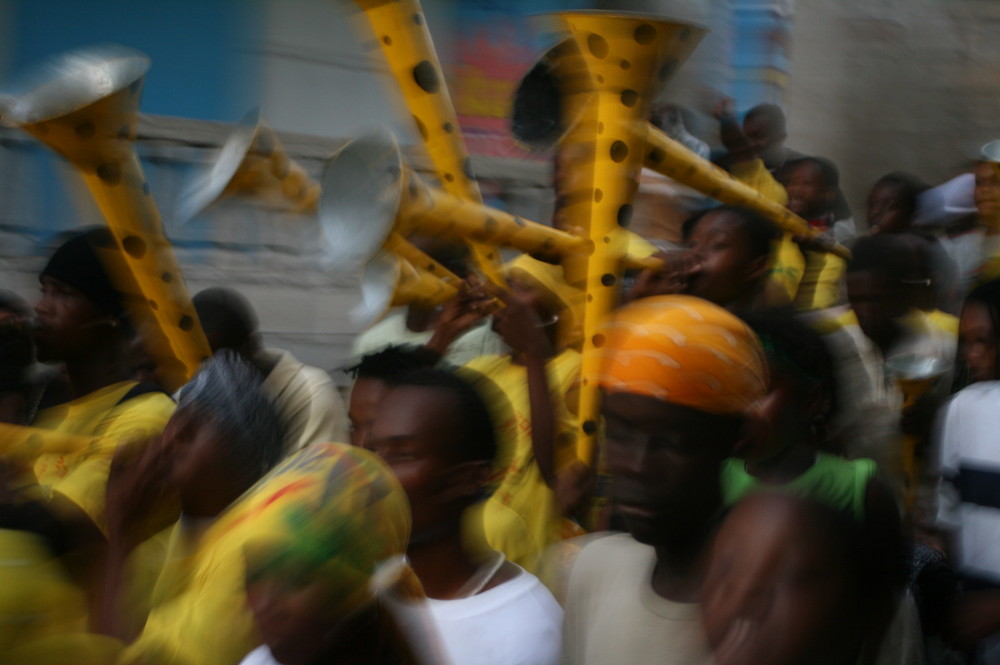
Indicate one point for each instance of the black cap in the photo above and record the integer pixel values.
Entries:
(77, 264)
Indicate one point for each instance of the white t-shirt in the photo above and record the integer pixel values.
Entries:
(260, 656)
(613, 616)
(515, 623)
(969, 464)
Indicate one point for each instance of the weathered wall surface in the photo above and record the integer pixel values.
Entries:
(883, 85)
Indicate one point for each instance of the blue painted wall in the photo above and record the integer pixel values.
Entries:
(202, 67)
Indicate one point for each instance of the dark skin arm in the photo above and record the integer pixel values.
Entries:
(140, 504)
(520, 328)
(458, 316)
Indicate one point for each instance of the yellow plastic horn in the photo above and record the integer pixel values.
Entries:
(401, 31)
(550, 103)
(85, 105)
(252, 162)
(629, 58)
(389, 281)
(370, 198)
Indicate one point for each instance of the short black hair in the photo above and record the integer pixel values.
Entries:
(761, 232)
(827, 169)
(226, 316)
(393, 362)
(887, 255)
(910, 188)
(792, 345)
(473, 396)
(772, 115)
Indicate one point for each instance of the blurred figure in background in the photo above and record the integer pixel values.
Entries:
(790, 429)
(435, 431)
(680, 376)
(793, 582)
(813, 186)
(305, 396)
(968, 459)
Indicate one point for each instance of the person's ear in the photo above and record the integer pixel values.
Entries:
(466, 481)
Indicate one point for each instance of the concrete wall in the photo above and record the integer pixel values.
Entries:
(883, 85)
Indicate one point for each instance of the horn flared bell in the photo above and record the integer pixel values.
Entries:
(388, 281)
(84, 105)
(252, 162)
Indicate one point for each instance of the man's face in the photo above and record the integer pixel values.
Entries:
(766, 141)
(887, 211)
(978, 342)
(67, 323)
(414, 431)
(365, 397)
(776, 593)
(722, 268)
(809, 196)
(876, 304)
(664, 461)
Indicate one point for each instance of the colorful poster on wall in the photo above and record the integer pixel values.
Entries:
(496, 42)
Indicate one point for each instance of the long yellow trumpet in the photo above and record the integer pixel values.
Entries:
(550, 106)
(85, 105)
(406, 43)
(252, 162)
(389, 281)
(369, 198)
(629, 59)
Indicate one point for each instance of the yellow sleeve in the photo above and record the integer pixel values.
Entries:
(820, 287)
(209, 623)
(786, 273)
(85, 484)
(755, 175)
(789, 265)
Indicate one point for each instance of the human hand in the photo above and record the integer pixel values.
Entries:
(669, 279)
(723, 108)
(518, 324)
(460, 314)
(140, 500)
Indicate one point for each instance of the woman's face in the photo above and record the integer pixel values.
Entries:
(978, 342)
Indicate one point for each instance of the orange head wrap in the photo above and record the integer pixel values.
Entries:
(684, 350)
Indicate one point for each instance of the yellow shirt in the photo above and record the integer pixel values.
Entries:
(82, 477)
(788, 263)
(520, 519)
(200, 615)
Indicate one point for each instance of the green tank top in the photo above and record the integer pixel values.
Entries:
(833, 481)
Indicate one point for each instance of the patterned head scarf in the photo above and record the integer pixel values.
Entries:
(335, 515)
(686, 351)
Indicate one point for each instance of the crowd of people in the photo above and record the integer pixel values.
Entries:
(796, 461)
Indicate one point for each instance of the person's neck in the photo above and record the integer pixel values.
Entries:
(443, 564)
(679, 569)
(796, 456)
(101, 368)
